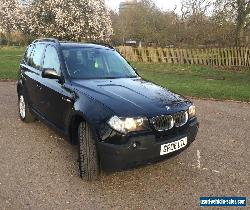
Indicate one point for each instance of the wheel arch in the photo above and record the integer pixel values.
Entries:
(19, 87)
(74, 121)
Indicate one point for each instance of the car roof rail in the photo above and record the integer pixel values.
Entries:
(58, 42)
(63, 41)
(105, 45)
(46, 40)
(96, 43)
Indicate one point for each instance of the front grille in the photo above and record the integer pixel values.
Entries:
(180, 119)
(167, 122)
(163, 123)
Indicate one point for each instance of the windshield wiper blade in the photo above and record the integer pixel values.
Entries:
(112, 77)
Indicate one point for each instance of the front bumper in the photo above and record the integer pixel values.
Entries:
(147, 150)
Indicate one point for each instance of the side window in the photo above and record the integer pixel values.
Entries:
(36, 58)
(51, 59)
(27, 54)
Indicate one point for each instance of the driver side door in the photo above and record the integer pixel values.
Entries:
(56, 100)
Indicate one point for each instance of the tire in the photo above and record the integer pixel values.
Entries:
(88, 157)
(24, 110)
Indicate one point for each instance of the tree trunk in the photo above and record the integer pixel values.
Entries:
(242, 13)
(8, 38)
(239, 30)
(239, 33)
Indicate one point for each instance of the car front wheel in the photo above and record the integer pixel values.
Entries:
(24, 110)
(88, 158)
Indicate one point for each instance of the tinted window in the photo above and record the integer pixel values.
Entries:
(37, 55)
(28, 54)
(51, 59)
(92, 63)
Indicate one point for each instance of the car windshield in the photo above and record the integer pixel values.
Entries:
(92, 63)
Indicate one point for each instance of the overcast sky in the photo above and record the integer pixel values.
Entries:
(162, 4)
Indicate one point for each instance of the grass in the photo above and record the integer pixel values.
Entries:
(9, 62)
(199, 81)
(189, 80)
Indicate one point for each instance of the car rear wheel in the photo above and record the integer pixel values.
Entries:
(24, 110)
(88, 158)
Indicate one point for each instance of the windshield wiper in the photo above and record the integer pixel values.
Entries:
(134, 76)
(121, 77)
(112, 77)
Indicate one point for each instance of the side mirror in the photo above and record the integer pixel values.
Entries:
(50, 74)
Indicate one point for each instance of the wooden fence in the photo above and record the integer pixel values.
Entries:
(231, 57)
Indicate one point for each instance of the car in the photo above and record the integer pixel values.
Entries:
(94, 97)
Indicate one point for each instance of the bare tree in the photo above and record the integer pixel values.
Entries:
(240, 10)
(194, 8)
(194, 20)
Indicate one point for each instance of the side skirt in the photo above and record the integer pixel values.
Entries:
(60, 131)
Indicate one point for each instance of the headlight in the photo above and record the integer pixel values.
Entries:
(126, 125)
(191, 111)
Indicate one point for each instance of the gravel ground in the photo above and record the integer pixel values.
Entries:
(39, 170)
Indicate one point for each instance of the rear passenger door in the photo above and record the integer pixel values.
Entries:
(31, 73)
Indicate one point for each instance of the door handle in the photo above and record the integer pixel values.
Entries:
(24, 77)
(66, 99)
(39, 86)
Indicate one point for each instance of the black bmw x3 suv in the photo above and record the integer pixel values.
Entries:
(92, 95)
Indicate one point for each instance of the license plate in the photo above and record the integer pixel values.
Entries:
(173, 146)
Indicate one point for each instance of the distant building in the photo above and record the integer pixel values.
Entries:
(126, 4)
